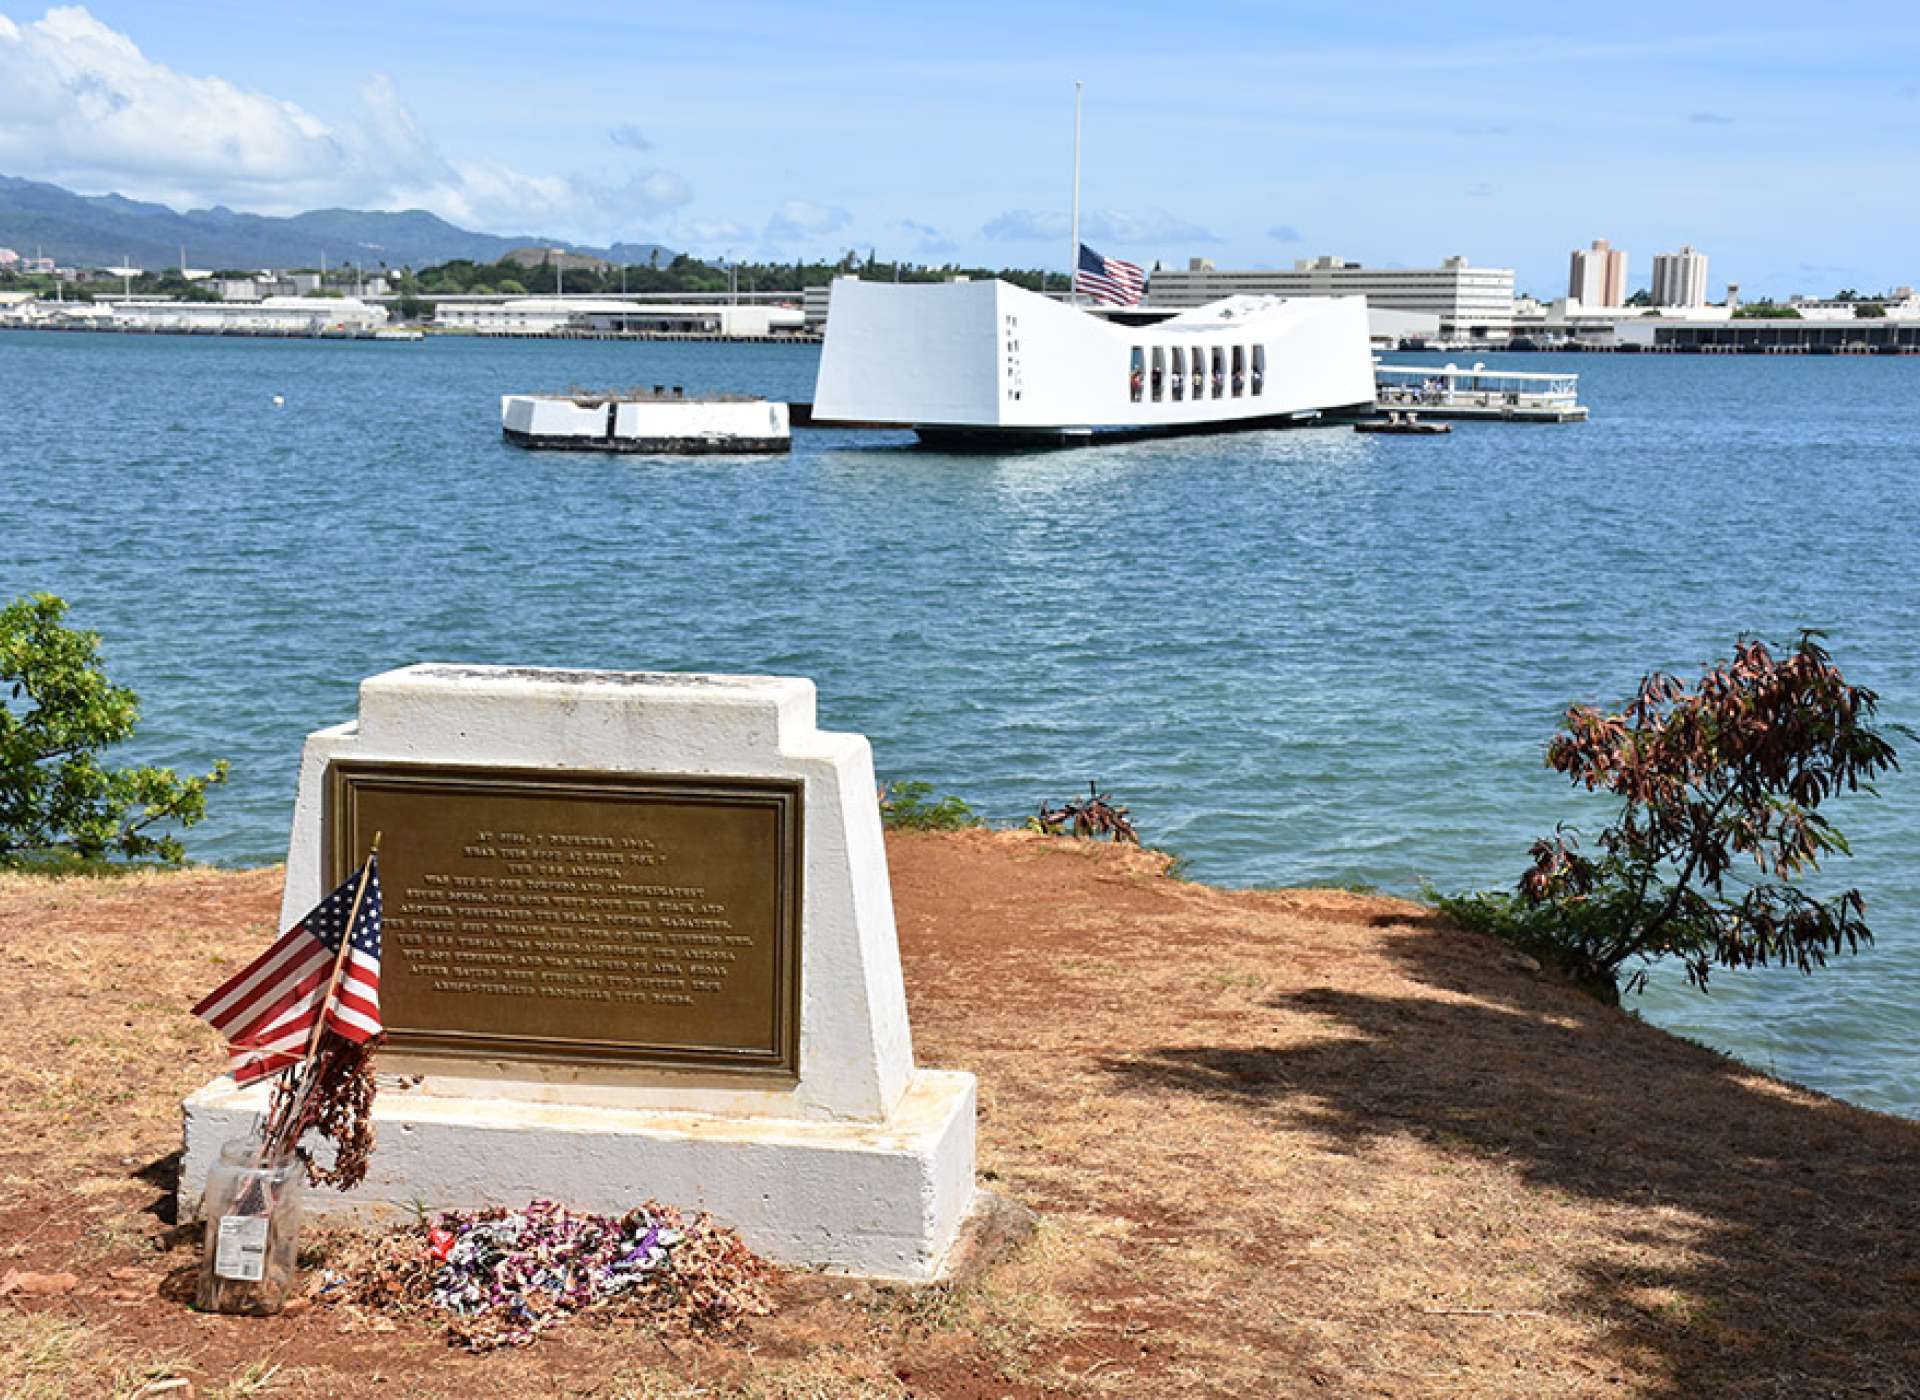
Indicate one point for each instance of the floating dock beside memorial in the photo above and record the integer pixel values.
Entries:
(656, 420)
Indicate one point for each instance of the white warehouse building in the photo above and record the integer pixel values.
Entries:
(271, 316)
(555, 315)
(1471, 303)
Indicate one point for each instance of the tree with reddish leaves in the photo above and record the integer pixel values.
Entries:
(1720, 787)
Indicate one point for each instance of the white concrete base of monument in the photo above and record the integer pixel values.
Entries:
(879, 1199)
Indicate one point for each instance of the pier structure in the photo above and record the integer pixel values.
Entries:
(1755, 336)
(1803, 326)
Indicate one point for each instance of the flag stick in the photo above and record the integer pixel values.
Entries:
(1073, 260)
(298, 1099)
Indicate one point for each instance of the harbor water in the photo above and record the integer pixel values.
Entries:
(1303, 657)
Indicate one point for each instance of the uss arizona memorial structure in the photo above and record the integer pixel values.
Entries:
(988, 363)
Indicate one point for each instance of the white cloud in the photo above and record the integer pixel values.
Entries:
(80, 104)
(1284, 233)
(800, 219)
(651, 192)
(1150, 226)
(928, 241)
(1113, 225)
(75, 94)
(715, 235)
(1026, 226)
(631, 137)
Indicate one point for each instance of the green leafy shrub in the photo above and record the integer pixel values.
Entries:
(57, 711)
(913, 807)
(1719, 787)
(1552, 936)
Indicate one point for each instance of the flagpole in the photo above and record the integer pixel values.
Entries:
(1073, 258)
(333, 985)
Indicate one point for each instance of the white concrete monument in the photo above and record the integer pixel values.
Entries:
(639, 943)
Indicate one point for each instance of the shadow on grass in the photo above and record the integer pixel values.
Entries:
(1802, 1277)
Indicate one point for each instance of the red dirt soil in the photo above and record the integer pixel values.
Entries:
(1279, 1143)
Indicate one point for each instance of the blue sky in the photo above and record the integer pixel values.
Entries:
(1784, 141)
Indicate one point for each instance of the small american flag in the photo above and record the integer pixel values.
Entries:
(1108, 280)
(267, 1009)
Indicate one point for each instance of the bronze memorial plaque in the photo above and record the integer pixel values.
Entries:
(581, 917)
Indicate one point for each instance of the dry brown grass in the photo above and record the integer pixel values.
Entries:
(1282, 1143)
(94, 975)
(44, 1356)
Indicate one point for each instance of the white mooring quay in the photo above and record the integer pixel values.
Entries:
(1502, 395)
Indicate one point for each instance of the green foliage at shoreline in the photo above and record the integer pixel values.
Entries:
(1548, 936)
(1719, 786)
(911, 806)
(61, 809)
(685, 273)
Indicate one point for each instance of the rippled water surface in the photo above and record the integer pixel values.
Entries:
(1300, 657)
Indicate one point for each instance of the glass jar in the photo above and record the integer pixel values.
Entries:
(252, 1214)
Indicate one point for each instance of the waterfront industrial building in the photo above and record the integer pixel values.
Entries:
(277, 316)
(1902, 301)
(605, 316)
(1820, 329)
(292, 284)
(1467, 302)
(813, 306)
(350, 316)
(1728, 336)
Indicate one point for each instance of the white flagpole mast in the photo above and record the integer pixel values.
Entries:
(1073, 258)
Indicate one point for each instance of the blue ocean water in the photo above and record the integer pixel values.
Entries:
(1299, 657)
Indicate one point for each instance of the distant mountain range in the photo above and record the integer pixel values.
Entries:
(101, 230)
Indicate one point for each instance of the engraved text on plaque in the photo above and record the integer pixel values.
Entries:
(580, 916)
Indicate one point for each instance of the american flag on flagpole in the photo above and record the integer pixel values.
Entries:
(1109, 280)
(268, 1008)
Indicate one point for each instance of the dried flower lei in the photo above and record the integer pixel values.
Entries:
(506, 1276)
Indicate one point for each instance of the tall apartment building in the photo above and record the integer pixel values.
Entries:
(1470, 301)
(1680, 279)
(1599, 275)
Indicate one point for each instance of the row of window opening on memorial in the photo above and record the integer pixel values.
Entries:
(1219, 371)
